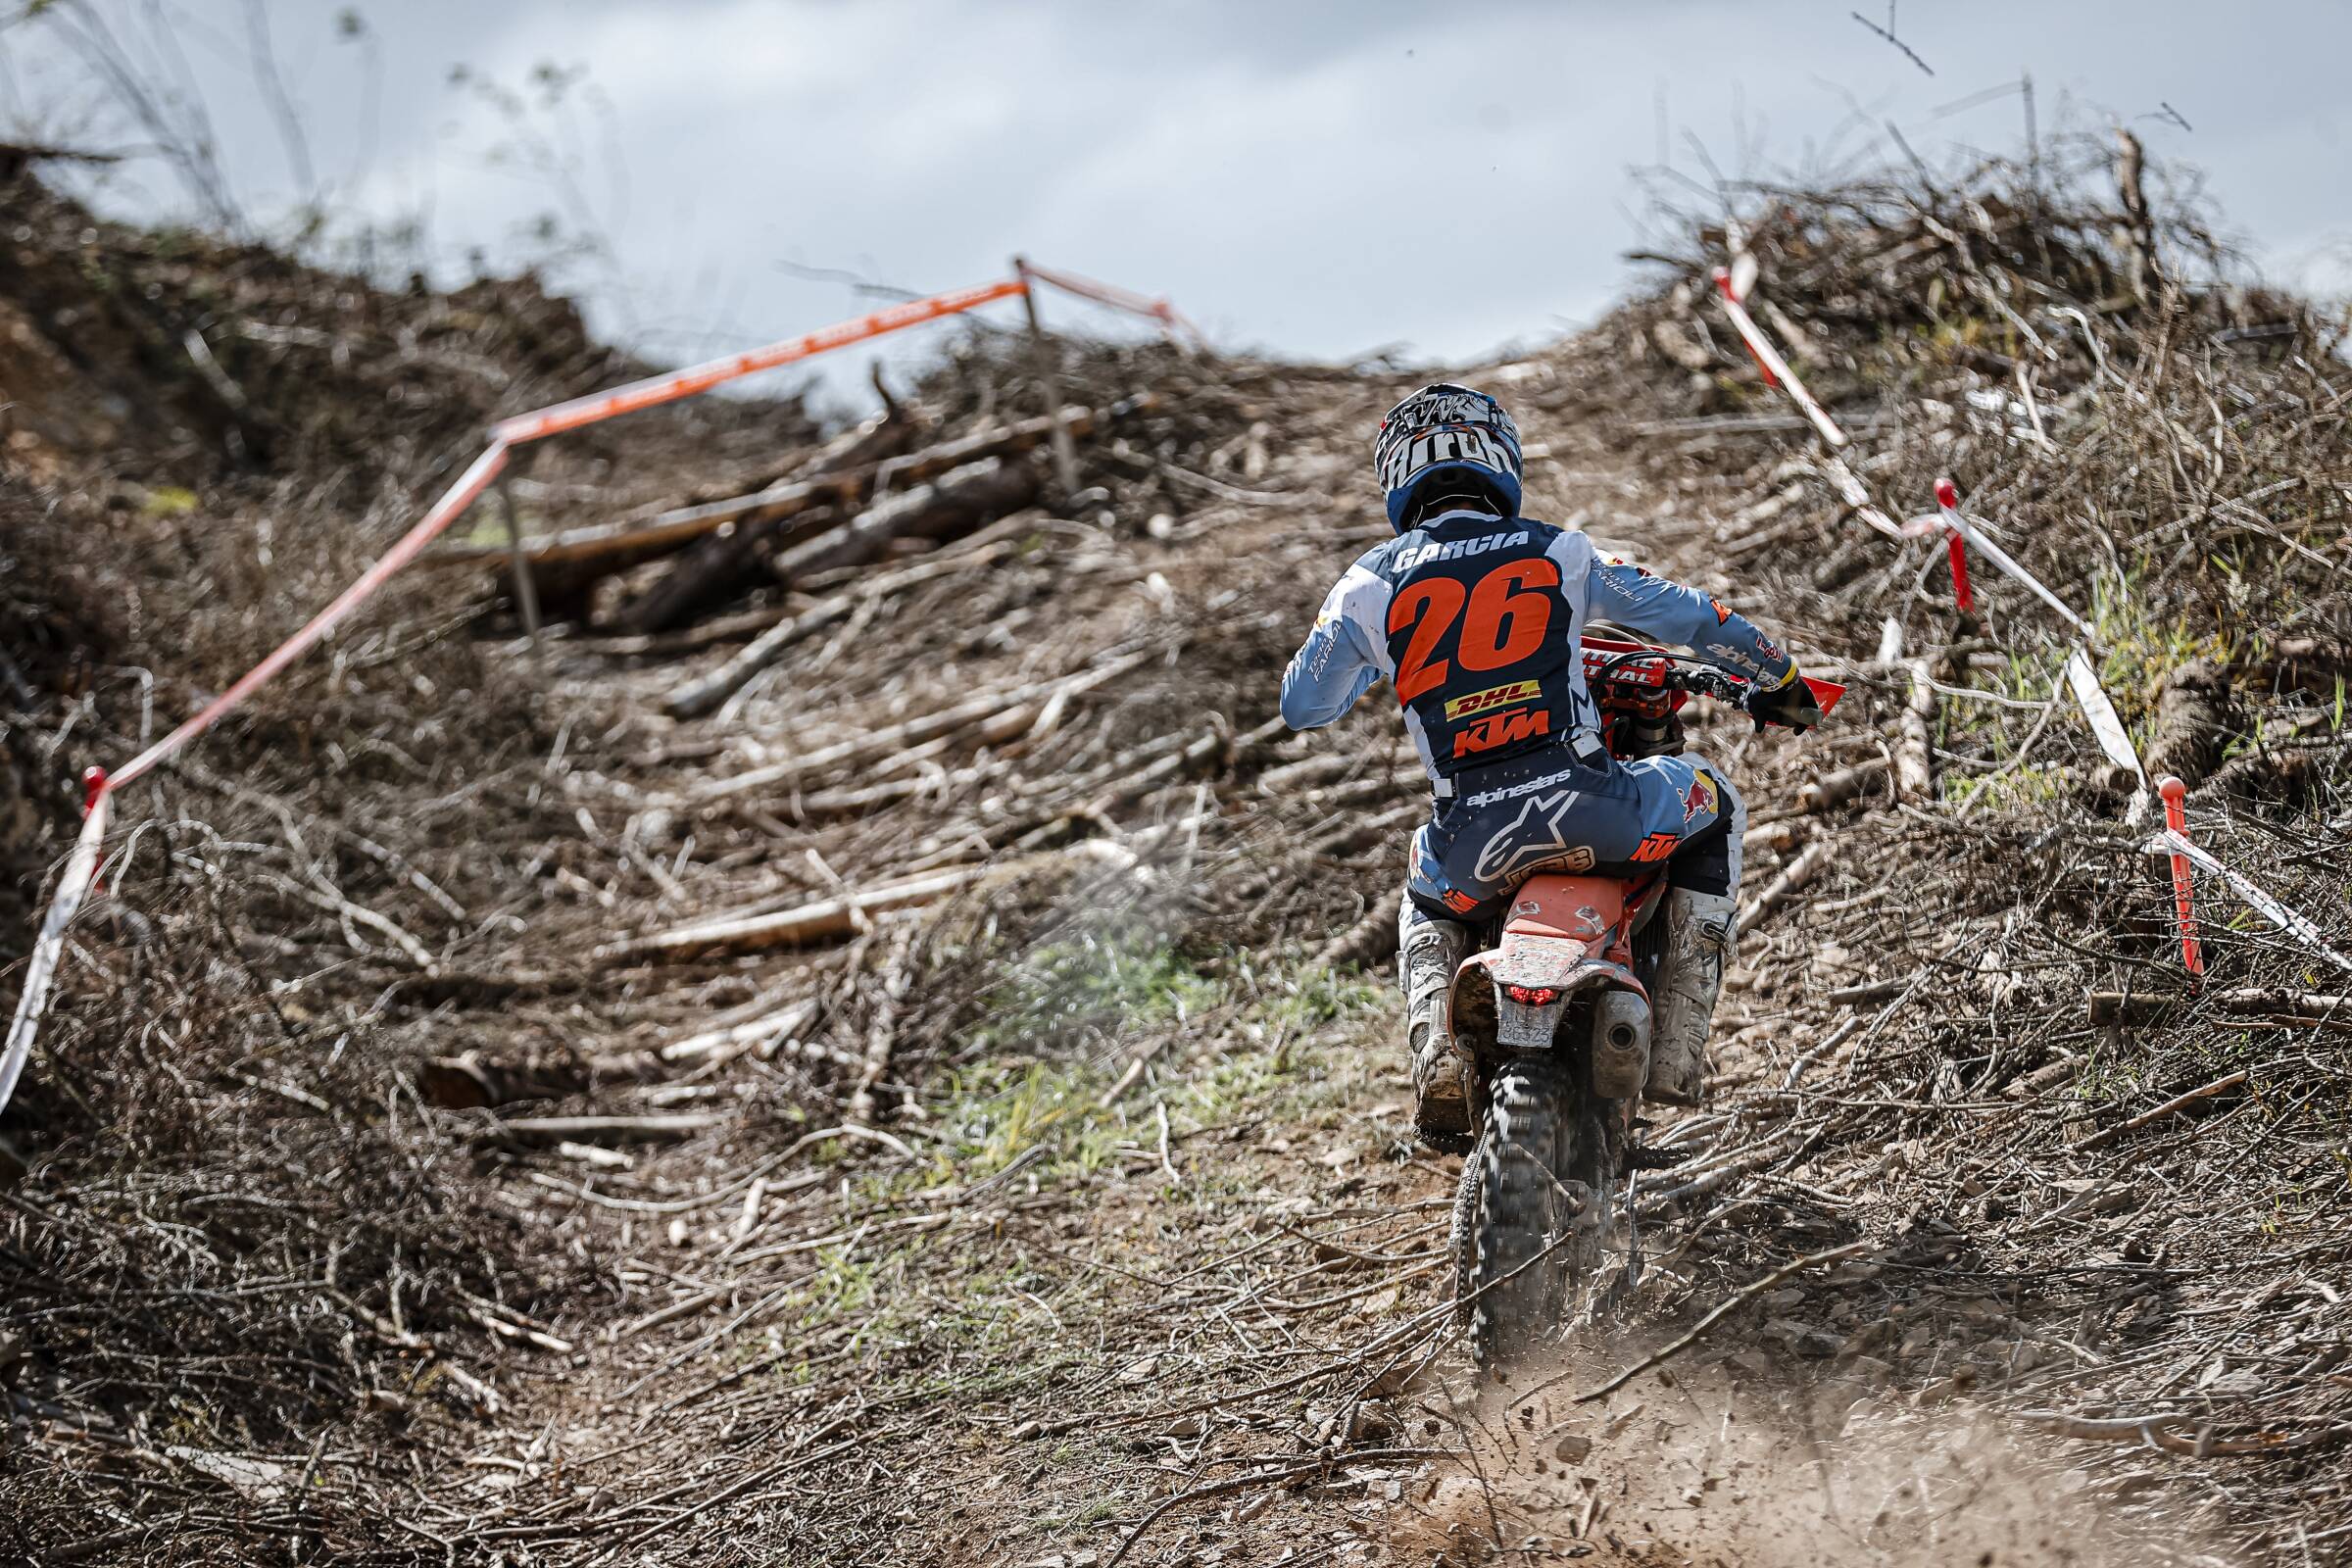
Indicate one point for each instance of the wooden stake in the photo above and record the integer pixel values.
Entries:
(1915, 750)
(1048, 377)
(527, 592)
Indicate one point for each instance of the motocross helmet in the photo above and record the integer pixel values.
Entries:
(1445, 437)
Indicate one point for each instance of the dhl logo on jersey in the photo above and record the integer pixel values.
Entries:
(1494, 697)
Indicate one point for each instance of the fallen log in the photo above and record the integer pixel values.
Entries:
(723, 564)
(1836, 789)
(881, 1037)
(808, 923)
(1915, 750)
(1792, 880)
(479, 1080)
(766, 1035)
(706, 693)
(2194, 722)
(972, 711)
(476, 1082)
(601, 549)
(1215, 745)
(2292, 1007)
(2193, 1435)
(956, 503)
(561, 1128)
(1371, 941)
(857, 800)
(2170, 1107)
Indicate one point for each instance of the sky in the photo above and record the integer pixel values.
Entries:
(1324, 178)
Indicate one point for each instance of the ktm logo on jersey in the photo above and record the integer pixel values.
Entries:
(1501, 729)
(1657, 847)
(1494, 697)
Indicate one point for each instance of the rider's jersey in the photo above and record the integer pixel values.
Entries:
(1475, 621)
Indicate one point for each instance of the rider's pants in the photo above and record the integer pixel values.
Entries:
(1547, 812)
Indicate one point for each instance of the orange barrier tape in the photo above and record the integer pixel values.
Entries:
(446, 511)
(82, 865)
(656, 390)
(1117, 298)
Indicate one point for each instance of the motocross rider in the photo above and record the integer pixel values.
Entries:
(1473, 613)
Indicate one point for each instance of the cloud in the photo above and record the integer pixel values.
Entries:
(1319, 177)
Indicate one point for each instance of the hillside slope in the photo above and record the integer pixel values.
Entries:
(415, 1173)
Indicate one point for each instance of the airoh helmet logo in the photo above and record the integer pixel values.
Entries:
(1445, 428)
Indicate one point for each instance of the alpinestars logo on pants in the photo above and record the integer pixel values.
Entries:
(1533, 839)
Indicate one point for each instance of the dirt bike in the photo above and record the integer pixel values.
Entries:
(1563, 974)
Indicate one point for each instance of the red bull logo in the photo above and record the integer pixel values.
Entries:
(1700, 797)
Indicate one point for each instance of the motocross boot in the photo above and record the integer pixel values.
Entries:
(1699, 944)
(1428, 952)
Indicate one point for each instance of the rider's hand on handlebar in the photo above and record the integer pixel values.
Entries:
(1791, 703)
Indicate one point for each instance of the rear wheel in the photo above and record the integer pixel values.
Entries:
(1520, 1209)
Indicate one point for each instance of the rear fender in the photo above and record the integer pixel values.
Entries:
(1558, 937)
(1563, 968)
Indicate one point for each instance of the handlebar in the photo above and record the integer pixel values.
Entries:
(1715, 683)
(1663, 669)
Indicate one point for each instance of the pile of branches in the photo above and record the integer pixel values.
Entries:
(2129, 415)
(389, 946)
(227, 1224)
(190, 360)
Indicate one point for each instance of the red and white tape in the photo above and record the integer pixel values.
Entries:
(1959, 526)
(1768, 360)
(1964, 533)
(81, 864)
(49, 943)
(2174, 842)
(1170, 319)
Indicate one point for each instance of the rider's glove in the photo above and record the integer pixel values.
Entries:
(1789, 704)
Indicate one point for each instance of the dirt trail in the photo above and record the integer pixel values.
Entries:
(1221, 1235)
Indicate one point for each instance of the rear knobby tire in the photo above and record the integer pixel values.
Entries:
(1461, 1239)
(1520, 1209)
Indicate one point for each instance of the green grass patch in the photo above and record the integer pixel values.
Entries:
(1067, 1018)
(169, 501)
(1077, 993)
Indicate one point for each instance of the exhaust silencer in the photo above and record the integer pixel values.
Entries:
(1620, 1046)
